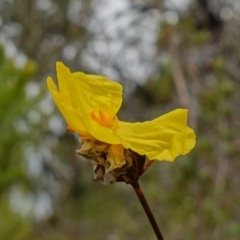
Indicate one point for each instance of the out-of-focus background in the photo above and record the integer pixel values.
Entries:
(167, 54)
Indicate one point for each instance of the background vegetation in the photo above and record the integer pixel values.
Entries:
(167, 54)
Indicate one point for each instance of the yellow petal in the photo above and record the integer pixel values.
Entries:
(70, 114)
(80, 96)
(99, 96)
(163, 138)
(99, 92)
(67, 86)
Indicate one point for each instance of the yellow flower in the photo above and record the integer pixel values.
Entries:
(89, 103)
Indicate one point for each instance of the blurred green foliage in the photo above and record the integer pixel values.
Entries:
(13, 108)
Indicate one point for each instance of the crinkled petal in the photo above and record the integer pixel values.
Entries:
(116, 157)
(163, 138)
(69, 113)
(68, 88)
(99, 92)
(79, 95)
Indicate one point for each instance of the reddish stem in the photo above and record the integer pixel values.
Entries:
(147, 209)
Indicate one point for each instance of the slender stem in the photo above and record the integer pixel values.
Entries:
(147, 209)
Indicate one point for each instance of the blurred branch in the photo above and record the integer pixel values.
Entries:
(178, 77)
(222, 163)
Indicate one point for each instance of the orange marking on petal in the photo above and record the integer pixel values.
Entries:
(70, 129)
(101, 115)
(103, 119)
(93, 116)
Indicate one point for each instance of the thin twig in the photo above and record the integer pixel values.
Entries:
(178, 75)
(147, 209)
(179, 78)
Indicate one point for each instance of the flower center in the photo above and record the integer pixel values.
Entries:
(106, 120)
